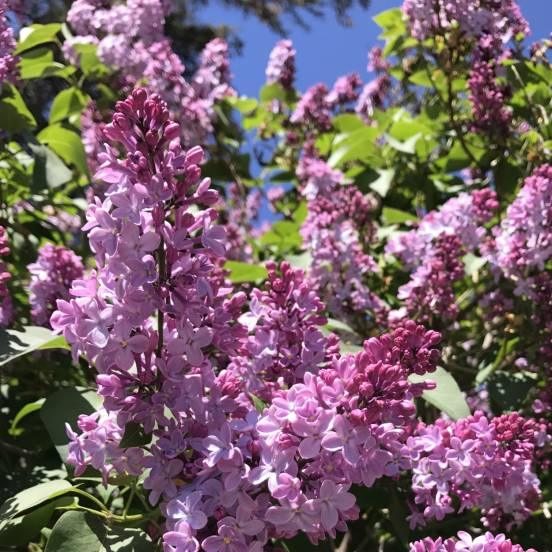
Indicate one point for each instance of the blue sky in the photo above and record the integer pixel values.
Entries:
(328, 49)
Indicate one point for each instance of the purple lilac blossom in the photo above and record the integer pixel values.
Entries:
(51, 277)
(466, 543)
(523, 241)
(502, 20)
(281, 64)
(336, 232)
(462, 216)
(476, 462)
(8, 62)
(313, 111)
(6, 305)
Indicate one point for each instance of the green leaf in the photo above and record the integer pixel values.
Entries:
(65, 406)
(245, 272)
(83, 532)
(303, 261)
(509, 391)
(271, 92)
(337, 325)
(473, 263)
(396, 216)
(408, 146)
(383, 183)
(21, 530)
(284, 235)
(39, 63)
(29, 499)
(29, 408)
(15, 343)
(66, 103)
(358, 145)
(259, 404)
(243, 105)
(300, 214)
(37, 34)
(14, 114)
(67, 144)
(391, 20)
(88, 60)
(134, 436)
(447, 396)
(347, 122)
(49, 170)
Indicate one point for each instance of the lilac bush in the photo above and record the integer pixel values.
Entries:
(318, 318)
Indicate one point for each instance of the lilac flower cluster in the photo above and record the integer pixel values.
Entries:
(170, 342)
(374, 92)
(342, 426)
(6, 306)
(130, 38)
(336, 231)
(8, 62)
(466, 543)
(241, 210)
(523, 242)
(488, 97)
(462, 216)
(51, 277)
(430, 293)
(476, 462)
(281, 64)
(500, 19)
(344, 90)
(286, 340)
(313, 111)
(97, 445)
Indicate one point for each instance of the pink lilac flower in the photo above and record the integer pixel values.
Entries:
(281, 64)
(372, 96)
(285, 341)
(98, 446)
(462, 216)
(476, 462)
(500, 19)
(336, 232)
(489, 112)
(8, 62)
(51, 277)
(344, 90)
(523, 242)
(430, 292)
(465, 542)
(130, 38)
(6, 306)
(313, 111)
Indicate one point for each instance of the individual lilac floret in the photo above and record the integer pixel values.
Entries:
(523, 243)
(6, 306)
(281, 64)
(51, 277)
(466, 543)
(500, 19)
(8, 62)
(476, 463)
